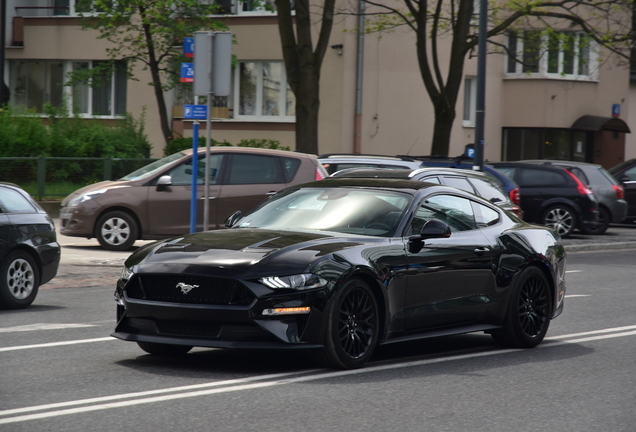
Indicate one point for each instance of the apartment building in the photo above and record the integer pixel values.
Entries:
(573, 102)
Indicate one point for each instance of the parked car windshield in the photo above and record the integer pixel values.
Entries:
(346, 210)
(151, 168)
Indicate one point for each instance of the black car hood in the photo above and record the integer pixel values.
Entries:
(240, 249)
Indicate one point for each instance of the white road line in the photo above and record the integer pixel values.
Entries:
(244, 385)
(573, 271)
(576, 295)
(55, 344)
(593, 332)
(43, 326)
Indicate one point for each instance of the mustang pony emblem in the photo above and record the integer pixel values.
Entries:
(186, 288)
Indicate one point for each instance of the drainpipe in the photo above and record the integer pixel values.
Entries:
(357, 125)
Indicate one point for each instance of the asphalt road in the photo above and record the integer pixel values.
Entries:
(62, 372)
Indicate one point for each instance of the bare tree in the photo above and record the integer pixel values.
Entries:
(607, 22)
(303, 62)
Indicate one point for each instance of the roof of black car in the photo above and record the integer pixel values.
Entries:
(390, 183)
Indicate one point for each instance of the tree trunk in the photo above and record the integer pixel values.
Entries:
(307, 108)
(444, 117)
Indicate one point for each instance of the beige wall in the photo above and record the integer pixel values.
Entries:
(397, 115)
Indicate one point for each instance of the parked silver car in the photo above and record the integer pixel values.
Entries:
(610, 195)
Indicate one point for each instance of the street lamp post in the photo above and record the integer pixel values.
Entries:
(480, 114)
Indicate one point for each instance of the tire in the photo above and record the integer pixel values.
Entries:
(164, 349)
(116, 231)
(352, 328)
(561, 219)
(529, 311)
(19, 280)
(604, 219)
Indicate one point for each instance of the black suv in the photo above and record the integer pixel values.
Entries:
(553, 196)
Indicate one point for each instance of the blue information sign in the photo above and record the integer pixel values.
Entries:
(188, 47)
(195, 112)
(616, 110)
(187, 72)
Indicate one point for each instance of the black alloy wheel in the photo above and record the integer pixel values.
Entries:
(116, 231)
(352, 329)
(604, 219)
(561, 219)
(164, 349)
(529, 311)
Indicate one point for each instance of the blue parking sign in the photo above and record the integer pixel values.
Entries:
(187, 72)
(195, 112)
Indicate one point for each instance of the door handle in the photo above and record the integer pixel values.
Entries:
(270, 193)
(481, 250)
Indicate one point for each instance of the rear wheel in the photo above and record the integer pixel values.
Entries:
(164, 349)
(19, 280)
(529, 311)
(603, 223)
(352, 328)
(561, 219)
(116, 231)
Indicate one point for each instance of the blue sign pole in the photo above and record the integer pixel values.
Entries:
(195, 176)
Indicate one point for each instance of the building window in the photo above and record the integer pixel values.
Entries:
(470, 101)
(262, 92)
(545, 143)
(555, 55)
(34, 83)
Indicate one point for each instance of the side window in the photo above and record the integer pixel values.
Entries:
(431, 179)
(182, 174)
(456, 212)
(290, 168)
(255, 169)
(484, 216)
(13, 202)
(581, 175)
(539, 177)
(459, 183)
(489, 191)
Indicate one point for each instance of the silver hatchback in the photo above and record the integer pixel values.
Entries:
(610, 195)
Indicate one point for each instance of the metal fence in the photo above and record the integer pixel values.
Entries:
(56, 177)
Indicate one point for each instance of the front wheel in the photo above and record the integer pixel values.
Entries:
(116, 231)
(529, 311)
(164, 349)
(561, 219)
(19, 280)
(352, 329)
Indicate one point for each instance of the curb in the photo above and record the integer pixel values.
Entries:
(600, 246)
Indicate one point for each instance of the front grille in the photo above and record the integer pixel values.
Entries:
(188, 328)
(205, 290)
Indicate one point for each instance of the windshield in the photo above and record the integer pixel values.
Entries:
(346, 210)
(150, 169)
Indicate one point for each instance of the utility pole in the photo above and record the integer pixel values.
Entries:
(480, 114)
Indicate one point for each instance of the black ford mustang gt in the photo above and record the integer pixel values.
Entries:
(339, 266)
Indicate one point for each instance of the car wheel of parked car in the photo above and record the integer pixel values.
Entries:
(603, 223)
(561, 219)
(352, 329)
(19, 280)
(529, 311)
(116, 231)
(164, 349)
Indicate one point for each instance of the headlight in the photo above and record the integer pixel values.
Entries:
(126, 273)
(298, 282)
(85, 197)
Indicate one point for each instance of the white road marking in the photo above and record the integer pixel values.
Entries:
(576, 295)
(573, 271)
(55, 344)
(42, 326)
(272, 380)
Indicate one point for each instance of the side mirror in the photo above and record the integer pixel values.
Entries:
(164, 180)
(233, 219)
(431, 229)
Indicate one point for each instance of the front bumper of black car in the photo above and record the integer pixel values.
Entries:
(290, 320)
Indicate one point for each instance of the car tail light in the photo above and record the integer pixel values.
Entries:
(515, 196)
(319, 174)
(583, 190)
(620, 192)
